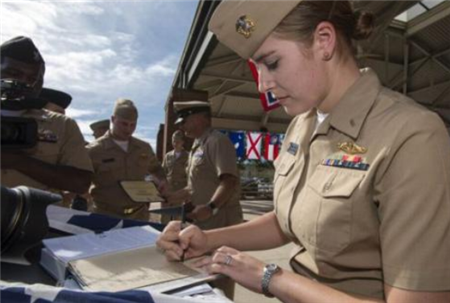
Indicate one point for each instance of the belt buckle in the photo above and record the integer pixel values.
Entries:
(128, 211)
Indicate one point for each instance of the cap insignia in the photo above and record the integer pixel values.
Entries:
(245, 26)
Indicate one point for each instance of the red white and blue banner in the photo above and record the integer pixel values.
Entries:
(271, 146)
(254, 146)
(268, 100)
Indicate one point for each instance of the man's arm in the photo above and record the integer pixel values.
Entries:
(56, 176)
(225, 190)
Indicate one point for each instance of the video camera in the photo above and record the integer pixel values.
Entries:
(18, 132)
(23, 221)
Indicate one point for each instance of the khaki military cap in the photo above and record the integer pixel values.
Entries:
(99, 124)
(125, 109)
(186, 108)
(243, 25)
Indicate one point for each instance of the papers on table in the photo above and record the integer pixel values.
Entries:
(92, 244)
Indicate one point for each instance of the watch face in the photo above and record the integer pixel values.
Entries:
(272, 267)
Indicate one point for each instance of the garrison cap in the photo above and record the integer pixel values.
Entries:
(178, 135)
(99, 124)
(55, 96)
(125, 109)
(21, 49)
(186, 108)
(243, 25)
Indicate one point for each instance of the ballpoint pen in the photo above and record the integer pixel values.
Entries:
(183, 223)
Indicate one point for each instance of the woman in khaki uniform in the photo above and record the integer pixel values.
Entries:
(362, 182)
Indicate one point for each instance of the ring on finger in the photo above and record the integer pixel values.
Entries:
(228, 260)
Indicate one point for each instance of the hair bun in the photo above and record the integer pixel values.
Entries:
(364, 25)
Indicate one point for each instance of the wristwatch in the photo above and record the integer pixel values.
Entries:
(213, 207)
(269, 271)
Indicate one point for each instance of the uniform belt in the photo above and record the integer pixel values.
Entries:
(131, 210)
(118, 210)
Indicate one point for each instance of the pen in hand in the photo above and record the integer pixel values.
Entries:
(183, 223)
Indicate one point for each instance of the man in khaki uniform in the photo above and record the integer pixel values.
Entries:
(59, 160)
(213, 177)
(99, 128)
(174, 165)
(118, 156)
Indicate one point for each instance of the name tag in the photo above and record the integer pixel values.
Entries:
(293, 148)
(108, 160)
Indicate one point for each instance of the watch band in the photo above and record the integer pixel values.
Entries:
(269, 271)
(213, 207)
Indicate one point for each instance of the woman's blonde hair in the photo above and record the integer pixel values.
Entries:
(301, 23)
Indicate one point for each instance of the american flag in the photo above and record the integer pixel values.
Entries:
(39, 293)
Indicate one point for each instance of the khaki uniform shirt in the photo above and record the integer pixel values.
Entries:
(368, 217)
(112, 165)
(175, 169)
(213, 155)
(59, 142)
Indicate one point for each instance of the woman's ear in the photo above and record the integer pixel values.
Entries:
(325, 40)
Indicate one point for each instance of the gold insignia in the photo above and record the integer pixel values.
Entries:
(245, 26)
(351, 148)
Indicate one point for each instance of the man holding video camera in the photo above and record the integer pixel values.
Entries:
(58, 159)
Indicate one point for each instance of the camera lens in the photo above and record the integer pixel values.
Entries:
(10, 133)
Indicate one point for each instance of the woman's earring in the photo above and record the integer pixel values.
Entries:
(326, 56)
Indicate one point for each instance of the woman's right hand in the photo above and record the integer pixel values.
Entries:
(175, 241)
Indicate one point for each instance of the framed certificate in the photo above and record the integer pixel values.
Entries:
(142, 191)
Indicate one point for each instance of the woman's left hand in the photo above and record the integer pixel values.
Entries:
(241, 267)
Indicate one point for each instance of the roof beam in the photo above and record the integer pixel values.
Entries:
(227, 78)
(434, 15)
(235, 124)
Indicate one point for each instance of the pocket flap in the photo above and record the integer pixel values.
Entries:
(335, 182)
(285, 166)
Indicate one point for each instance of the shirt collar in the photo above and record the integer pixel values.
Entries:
(203, 137)
(350, 113)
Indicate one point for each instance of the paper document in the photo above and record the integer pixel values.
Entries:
(142, 191)
(87, 245)
(128, 270)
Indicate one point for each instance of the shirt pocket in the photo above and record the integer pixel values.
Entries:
(48, 152)
(334, 192)
(282, 173)
(108, 174)
(198, 162)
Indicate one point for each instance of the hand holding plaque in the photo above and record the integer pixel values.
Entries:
(142, 191)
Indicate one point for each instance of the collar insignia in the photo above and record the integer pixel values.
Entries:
(245, 26)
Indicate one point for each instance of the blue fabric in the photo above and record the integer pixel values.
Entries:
(238, 139)
(16, 294)
(100, 223)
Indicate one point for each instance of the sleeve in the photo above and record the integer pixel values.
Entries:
(153, 166)
(223, 156)
(73, 150)
(164, 164)
(414, 207)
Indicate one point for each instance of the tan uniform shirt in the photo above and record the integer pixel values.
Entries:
(376, 216)
(213, 155)
(112, 165)
(60, 142)
(175, 169)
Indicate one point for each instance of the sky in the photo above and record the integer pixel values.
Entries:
(99, 51)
